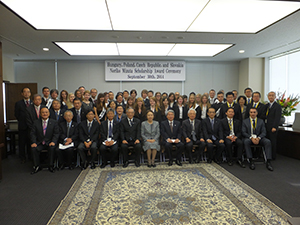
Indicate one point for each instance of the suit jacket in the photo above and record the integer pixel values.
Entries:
(31, 115)
(61, 115)
(104, 130)
(147, 102)
(43, 100)
(187, 129)
(20, 114)
(260, 128)
(237, 128)
(84, 133)
(147, 133)
(166, 130)
(224, 107)
(217, 107)
(157, 114)
(185, 110)
(52, 132)
(82, 114)
(124, 116)
(261, 110)
(207, 129)
(73, 132)
(128, 132)
(274, 116)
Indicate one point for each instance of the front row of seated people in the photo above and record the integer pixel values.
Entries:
(62, 138)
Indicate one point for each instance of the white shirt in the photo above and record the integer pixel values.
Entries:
(203, 112)
(231, 124)
(112, 127)
(180, 111)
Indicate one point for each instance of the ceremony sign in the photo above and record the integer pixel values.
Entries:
(144, 70)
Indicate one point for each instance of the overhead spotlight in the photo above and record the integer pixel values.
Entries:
(241, 51)
(46, 49)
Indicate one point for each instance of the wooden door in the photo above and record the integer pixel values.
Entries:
(2, 131)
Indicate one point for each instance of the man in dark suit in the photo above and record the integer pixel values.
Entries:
(248, 93)
(68, 134)
(211, 97)
(109, 132)
(171, 133)
(23, 129)
(273, 116)
(56, 112)
(119, 100)
(89, 130)
(230, 104)
(78, 111)
(46, 95)
(232, 135)
(130, 132)
(44, 135)
(144, 95)
(254, 132)
(33, 111)
(213, 135)
(218, 103)
(193, 135)
(261, 108)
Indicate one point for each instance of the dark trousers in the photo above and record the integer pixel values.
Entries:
(219, 150)
(238, 143)
(272, 136)
(65, 156)
(36, 154)
(93, 149)
(108, 152)
(264, 142)
(137, 148)
(179, 150)
(24, 143)
(199, 150)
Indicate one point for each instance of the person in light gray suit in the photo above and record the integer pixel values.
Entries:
(150, 134)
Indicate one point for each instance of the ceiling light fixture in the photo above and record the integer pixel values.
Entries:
(46, 49)
(241, 51)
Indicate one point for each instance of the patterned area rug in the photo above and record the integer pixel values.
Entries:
(191, 194)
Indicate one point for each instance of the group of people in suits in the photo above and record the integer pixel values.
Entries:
(146, 124)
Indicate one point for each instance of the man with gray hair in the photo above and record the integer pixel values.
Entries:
(171, 133)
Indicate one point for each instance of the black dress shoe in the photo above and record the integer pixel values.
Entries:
(170, 163)
(112, 164)
(197, 161)
(209, 160)
(93, 166)
(252, 166)
(230, 163)
(149, 165)
(137, 164)
(269, 166)
(153, 165)
(178, 163)
(61, 167)
(103, 165)
(84, 165)
(36, 169)
(241, 163)
(125, 164)
(51, 169)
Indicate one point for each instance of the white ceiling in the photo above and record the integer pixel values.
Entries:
(22, 42)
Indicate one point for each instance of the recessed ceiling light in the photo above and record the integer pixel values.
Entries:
(241, 51)
(46, 49)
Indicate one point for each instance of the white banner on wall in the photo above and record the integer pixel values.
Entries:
(144, 70)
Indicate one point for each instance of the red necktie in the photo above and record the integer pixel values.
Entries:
(27, 103)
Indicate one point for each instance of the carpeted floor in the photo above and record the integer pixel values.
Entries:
(192, 194)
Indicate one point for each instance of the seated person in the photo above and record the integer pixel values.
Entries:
(193, 135)
(56, 112)
(88, 137)
(232, 135)
(213, 135)
(150, 134)
(254, 133)
(120, 113)
(130, 132)
(109, 132)
(44, 135)
(68, 135)
(171, 133)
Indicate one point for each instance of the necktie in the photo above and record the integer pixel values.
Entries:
(68, 129)
(255, 105)
(193, 132)
(56, 115)
(130, 123)
(212, 127)
(37, 112)
(248, 100)
(171, 126)
(109, 130)
(44, 129)
(89, 126)
(253, 121)
(27, 103)
(78, 117)
(231, 130)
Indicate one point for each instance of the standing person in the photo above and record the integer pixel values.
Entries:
(203, 107)
(93, 98)
(33, 110)
(150, 94)
(100, 108)
(46, 95)
(155, 109)
(109, 133)
(273, 116)
(125, 96)
(140, 109)
(185, 99)
(193, 135)
(54, 95)
(164, 108)
(192, 102)
(23, 129)
(78, 95)
(171, 133)
(106, 97)
(235, 95)
(144, 95)
(64, 98)
(165, 94)
(68, 134)
(88, 136)
(70, 100)
(198, 100)
(158, 99)
(180, 110)
(130, 132)
(232, 134)
(261, 108)
(212, 94)
(229, 104)
(130, 103)
(56, 112)
(248, 92)
(176, 96)
(133, 94)
(119, 101)
(150, 134)
(78, 111)
(213, 135)
(81, 89)
(44, 135)
(254, 133)
(218, 103)
(242, 107)
(86, 103)
(111, 96)
(172, 102)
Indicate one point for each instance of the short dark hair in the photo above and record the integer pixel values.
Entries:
(56, 100)
(229, 108)
(192, 93)
(253, 108)
(25, 88)
(150, 91)
(220, 92)
(184, 96)
(125, 91)
(90, 110)
(229, 93)
(45, 88)
(81, 87)
(53, 90)
(211, 108)
(243, 97)
(120, 106)
(133, 91)
(248, 88)
(256, 92)
(77, 99)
